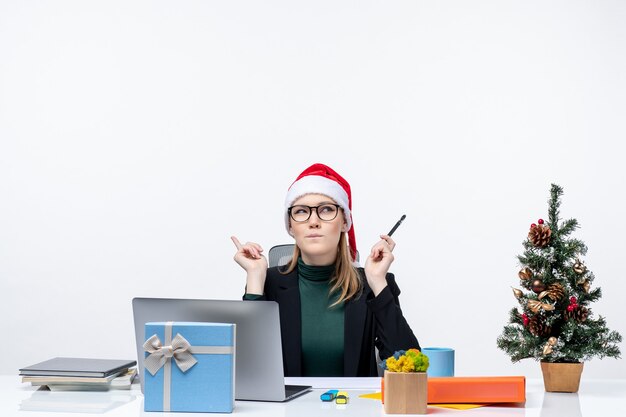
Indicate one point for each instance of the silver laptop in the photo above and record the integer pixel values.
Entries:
(259, 374)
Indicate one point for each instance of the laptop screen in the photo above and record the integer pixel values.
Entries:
(258, 355)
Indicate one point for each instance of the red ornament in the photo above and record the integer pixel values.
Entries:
(525, 319)
(572, 304)
(533, 225)
(540, 221)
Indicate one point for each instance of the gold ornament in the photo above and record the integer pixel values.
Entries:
(517, 293)
(552, 341)
(585, 284)
(535, 306)
(525, 273)
(538, 286)
(579, 267)
(543, 294)
(547, 349)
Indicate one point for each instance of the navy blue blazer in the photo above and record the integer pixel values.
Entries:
(369, 322)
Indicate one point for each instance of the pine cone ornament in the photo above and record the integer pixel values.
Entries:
(555, 291)
(538, 327)
(539, 235)
(578, 313)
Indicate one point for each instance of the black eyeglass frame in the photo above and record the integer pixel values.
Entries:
(316, 212)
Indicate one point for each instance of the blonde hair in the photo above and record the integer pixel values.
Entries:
(345, 281)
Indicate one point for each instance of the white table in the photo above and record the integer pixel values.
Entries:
(601, 398)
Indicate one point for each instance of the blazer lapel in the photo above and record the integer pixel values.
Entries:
(288, 297)
(354, 317)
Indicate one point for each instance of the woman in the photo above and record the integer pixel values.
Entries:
(332, 313)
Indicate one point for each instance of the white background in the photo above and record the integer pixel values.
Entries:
(137, 136)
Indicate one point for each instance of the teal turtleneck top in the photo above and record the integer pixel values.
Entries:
(322, 325)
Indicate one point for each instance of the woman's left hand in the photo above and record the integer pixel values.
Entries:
(378, 263)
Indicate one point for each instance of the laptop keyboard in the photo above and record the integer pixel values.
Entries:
(294, 389)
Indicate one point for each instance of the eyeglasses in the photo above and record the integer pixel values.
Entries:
(325, 212)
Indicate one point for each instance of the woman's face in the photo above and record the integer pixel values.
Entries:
(317, 239)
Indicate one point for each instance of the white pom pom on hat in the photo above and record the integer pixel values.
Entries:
(321, 179)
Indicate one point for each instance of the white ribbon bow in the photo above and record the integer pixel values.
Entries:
(159, 354)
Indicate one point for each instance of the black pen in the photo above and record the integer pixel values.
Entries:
(393, 229)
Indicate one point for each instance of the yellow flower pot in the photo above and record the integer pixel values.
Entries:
(405, 392)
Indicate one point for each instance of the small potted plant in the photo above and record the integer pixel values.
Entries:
(405, 382)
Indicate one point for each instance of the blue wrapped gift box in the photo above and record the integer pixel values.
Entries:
(189, 367)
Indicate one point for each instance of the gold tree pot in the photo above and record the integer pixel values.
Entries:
(561, 377)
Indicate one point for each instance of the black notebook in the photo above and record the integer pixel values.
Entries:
(78, 367)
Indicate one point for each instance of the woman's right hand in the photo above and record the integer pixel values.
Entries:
(249, 257)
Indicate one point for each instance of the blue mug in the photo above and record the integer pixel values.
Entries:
(441, 361)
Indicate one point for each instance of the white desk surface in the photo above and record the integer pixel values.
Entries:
(597, 397)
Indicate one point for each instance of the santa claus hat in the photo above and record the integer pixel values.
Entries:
(321, 179)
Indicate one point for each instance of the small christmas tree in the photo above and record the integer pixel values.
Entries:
(554, 322)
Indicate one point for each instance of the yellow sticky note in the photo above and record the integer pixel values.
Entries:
(374, 396)
(378, 396)
(459, 406)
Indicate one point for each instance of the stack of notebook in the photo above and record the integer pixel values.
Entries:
(84, 374)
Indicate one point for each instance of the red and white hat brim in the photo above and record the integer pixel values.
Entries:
(315, 184)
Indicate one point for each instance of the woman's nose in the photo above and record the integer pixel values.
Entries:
(314, 220)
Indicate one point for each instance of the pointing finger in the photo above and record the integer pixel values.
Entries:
(236, 242)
